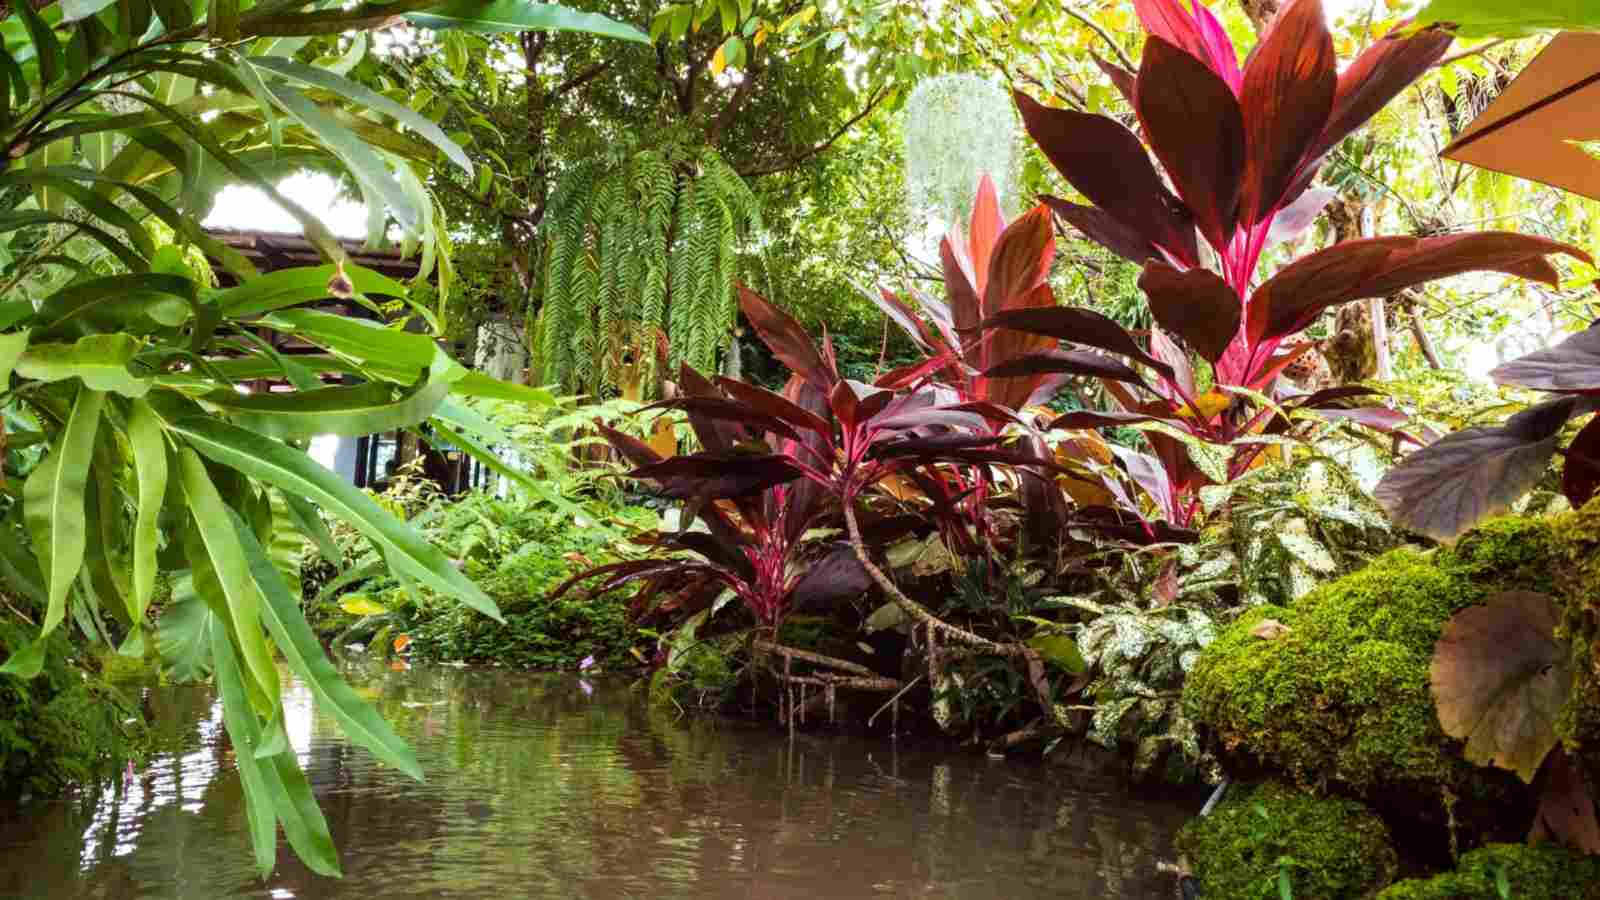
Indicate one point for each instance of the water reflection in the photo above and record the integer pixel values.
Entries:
(540, 788)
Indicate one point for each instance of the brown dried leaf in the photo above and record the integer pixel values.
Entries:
(1500, 679)
(1270, 630)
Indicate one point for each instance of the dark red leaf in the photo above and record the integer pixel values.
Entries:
(1072, 362)
(1122, 78)
(1193, 121)
(1080, 326)
(1108, 419)
(715, 549)
(902, 315)
(773, 406)
(937, 416)
(1198, 34)
(1566, 806)
(1264, 376)
(1020, 261)
(1447, 487)
(1377, 76)
(1380, 418)
(1124, 527)
(1287, 95)
(933, 444)
(854, 403)
(1197, 305)
(910, 374)
(1294, 297)
(716, 476)
(746, 419)
(1167, 350)
(961, 290)
(1572, 365)
(1580, 473)
(835, 578)
(630, 448)
(1101, 227)
(786, 339)
(1001, 346)
(1108, 164)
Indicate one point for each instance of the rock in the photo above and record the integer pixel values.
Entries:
(1327, 848)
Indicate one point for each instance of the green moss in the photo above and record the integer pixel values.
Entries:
(1327, 848)
(1344, 697)
(1545, 872)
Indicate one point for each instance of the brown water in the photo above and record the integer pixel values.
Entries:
(548, 786)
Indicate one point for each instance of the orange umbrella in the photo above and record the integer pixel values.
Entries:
(1530, 130)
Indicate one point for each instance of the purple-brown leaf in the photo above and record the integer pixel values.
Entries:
(1572, 365)
(1500, 680)
(1196, 305)
(1193, 121)
(1447, 487)
(1101, 227)
(1375, 77)
(1287, 95)
(1071, 362)
(717, 476)
(1566, 806)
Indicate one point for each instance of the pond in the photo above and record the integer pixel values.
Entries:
(556, 786)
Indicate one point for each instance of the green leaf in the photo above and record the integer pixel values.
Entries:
(358, 156)
(222, 20)
(477, 384)
(53, 500)
(362, 605)
(358, 339)
(293, 472)
(183, 635)
(347, 411)
(344, 87)
(1510, 18)
(150, 469)
(242, 598)
(118, 303)
(27, 662)
(512, 15)
(11, 348)
(46, 48)
(1059, 650)
(100, 360)
(309, 521)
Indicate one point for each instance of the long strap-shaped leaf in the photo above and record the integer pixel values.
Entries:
(242, 598)
(348, 411)
(290, 470)
(150, 464)
(305, 657)
(274, 787)
(53, 502)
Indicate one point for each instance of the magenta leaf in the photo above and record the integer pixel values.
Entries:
(1199, 34)
(1194, 124)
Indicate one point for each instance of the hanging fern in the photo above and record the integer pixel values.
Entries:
(649, 243)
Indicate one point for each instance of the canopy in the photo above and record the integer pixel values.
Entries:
(1529, 129)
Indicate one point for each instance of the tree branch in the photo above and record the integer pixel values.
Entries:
(806, 154)
(581, 78)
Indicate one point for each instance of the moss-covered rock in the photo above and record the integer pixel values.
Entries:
(1512, 871)
(1328, 848)
(1342, 697)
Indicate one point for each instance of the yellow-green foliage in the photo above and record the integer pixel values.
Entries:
(1546, 872)
(1326, 848)
(1343, 697)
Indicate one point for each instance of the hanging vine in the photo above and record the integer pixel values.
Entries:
(642, 245)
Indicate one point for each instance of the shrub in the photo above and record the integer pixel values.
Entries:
(1499, 871)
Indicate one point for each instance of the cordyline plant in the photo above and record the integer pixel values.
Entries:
(1240, 147)
(993, 269)
(772, 464)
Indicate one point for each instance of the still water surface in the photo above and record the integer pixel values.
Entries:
(548, 786)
